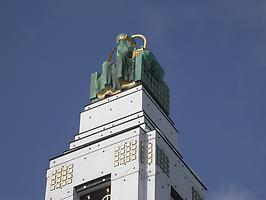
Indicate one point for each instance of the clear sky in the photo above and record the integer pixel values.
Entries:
(213, 53)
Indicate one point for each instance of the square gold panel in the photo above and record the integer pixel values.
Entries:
(60, 176)
(124, 152)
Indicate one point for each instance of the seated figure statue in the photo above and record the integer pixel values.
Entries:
(130, 67)
(121, 71)
(115, 75)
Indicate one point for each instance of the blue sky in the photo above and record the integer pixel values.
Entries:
(213, 53)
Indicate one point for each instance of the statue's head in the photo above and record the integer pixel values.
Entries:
(125, 38)
(125, 45)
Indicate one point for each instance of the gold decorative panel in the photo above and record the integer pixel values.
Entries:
(125, 153)
(149, 153)
(61, 177)
(162, 160)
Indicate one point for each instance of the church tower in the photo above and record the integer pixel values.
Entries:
(127, 145)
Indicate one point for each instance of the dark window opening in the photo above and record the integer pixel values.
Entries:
(97, 189)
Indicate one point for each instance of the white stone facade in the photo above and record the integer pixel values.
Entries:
(126, 148)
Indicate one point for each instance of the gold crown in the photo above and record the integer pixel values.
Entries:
(124, 36)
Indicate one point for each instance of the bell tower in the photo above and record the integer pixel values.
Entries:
(127, 145)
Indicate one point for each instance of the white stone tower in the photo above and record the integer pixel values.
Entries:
(126, 149)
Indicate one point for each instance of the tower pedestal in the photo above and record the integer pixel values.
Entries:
(126, 148)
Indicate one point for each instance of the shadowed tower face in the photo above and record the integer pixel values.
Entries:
(127, 146)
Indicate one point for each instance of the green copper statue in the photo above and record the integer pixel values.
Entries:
(121, 69)
(132, 66)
